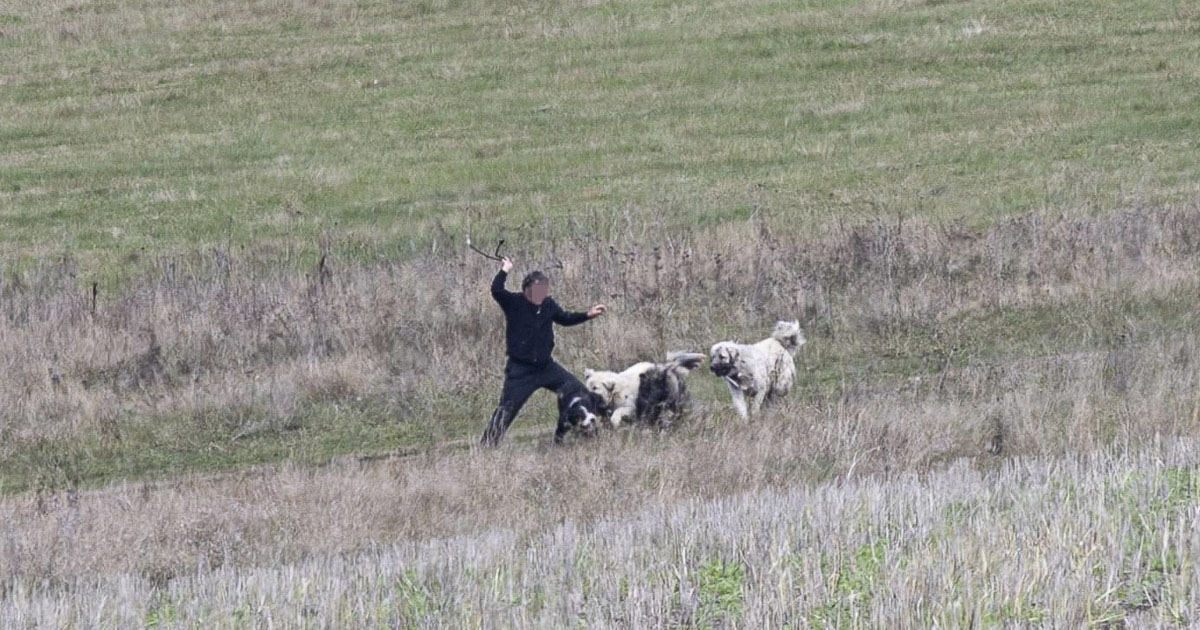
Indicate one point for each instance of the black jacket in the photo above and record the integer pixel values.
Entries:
(530, 328)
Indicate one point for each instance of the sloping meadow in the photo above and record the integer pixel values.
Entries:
(343, 356)
(976, 411)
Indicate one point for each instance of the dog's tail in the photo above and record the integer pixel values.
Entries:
(684, 362)
(789, 335)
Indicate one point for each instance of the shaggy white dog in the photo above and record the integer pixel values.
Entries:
(658, 385)
(761, 371)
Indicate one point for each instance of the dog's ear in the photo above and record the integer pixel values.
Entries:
(588, 373)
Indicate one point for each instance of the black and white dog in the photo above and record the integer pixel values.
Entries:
(577, 409)
(662, 395)
(643, 391)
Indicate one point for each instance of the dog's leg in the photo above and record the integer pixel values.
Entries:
(618, 416)
(680, 404)
(675, 413)
(757, 404)
(739, 402)
(564, 426)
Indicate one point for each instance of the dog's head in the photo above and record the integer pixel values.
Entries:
(581, 409)
(724, 359)
(601, 384)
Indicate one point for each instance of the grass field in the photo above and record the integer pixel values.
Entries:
(985, 215)
(131, 126)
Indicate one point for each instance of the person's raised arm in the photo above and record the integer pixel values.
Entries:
(499, 293)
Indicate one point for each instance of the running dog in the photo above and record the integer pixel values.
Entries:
(643, 391)
(577, 409)
(762, 371)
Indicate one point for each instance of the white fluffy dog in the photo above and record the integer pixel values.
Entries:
(658, 385)
(761, 371)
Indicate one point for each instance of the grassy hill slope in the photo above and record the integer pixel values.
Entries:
(128, 127)
(984, 215)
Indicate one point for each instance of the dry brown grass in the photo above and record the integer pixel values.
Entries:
(231, 344)
(265, 516)
(217, 338)
(1046, 336)
(993, 426)
(706, 542)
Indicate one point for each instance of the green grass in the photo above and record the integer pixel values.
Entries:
(129, 128)
(155, 125)
(375, 130)
(853, 587)
(720, 591)
(158, 446)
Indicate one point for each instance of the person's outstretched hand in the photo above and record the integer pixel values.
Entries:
(506, 264)
(596, 311)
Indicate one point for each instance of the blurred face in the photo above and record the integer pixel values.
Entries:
(536, 292)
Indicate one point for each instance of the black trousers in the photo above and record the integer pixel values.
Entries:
(521, 380)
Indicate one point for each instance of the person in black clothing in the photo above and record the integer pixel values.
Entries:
(529, 336)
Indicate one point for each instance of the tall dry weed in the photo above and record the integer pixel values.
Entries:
(220, 335)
